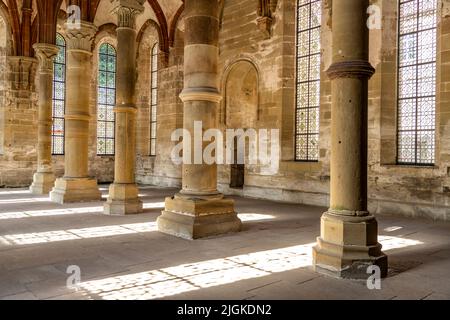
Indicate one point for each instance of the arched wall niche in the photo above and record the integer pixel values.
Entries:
(240, 106)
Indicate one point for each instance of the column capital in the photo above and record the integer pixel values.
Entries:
(127, 11)
(80, 39)
(22, 71)
(45, 53)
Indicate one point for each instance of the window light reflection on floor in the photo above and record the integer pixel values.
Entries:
(94, 232)
(184, 278)
(15, 192)
(77, 234)
(67, 211)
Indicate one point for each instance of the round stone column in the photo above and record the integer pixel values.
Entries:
(348, 244)
(76, 185)
(44, 179)
(123, 193)
(199, 210)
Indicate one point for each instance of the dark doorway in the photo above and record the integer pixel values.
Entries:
(237, 171)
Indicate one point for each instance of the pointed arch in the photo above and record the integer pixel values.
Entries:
(162, 21)
(162, 38)
(174, 24)
(15, 25)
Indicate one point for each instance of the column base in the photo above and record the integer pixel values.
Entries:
(43, 183)
(123, 200)
(69, 190)
(348, 246)
(194, 218)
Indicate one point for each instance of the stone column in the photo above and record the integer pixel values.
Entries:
(348, 244)
(123, 193)
(44, 178)
(76, 185)
(199, 210)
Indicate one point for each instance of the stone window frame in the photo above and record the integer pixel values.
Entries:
(102, 43)
(309, 158)
(388, 73)
(148, 36)
(418, 161)
(154, 88)
(61, 35)
(287, 134)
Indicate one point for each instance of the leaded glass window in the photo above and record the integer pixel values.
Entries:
(59, 97)
(417, 82)
(154, 99)
(106, 100)
(308, 80)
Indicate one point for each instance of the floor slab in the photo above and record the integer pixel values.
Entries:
(124, 257)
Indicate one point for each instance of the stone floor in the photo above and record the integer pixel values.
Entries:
(126, 258)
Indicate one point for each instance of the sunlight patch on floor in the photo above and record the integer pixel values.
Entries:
(195, 276)
(77, 234)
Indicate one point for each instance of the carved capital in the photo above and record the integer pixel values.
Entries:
(266, 9)
(265, 26)
(81, 39)
(127, 11)
(45, 53)
(22, 71)
(351, 69)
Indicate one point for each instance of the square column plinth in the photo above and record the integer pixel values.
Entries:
(123, 200)
(192, 218)
(69, 190)
(348, 246)
(43, 183)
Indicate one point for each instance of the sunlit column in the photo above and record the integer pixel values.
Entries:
(199, 210)
(76, 185)
(43, 179)
(348, 244)
(123, 193)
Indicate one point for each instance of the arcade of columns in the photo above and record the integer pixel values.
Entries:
(348, 243)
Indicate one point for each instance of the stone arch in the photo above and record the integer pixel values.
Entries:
(148, 37)
(152, 29)
(240, 107)
(105, 34)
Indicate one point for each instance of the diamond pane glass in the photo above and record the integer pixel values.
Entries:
(417, 82)
(106, 100)
(309, 15)
(59, 97)
(154, 99)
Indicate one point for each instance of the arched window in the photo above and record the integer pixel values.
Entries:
(308, 80)
(59, 97)
(106, 100)
(154, 99)
(417, 82)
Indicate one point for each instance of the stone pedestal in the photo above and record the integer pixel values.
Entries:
(68, 190)
(43, 183)
(348, 246)
(348, 243)
(123, 199)
(76, 185)
(191, 218)
(199, 210)
(43, 179)
(123, 193)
